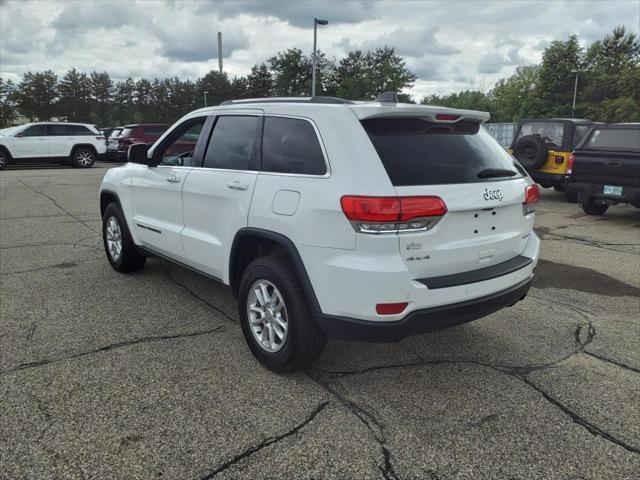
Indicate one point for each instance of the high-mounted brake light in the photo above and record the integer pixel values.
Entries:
(447, 117)
(531, 197)
(572, 159)
(392, 214)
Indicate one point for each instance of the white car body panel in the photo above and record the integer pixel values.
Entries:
(350, 272)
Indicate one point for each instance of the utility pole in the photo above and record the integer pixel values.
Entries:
(575, 93)
(220, 51)
(205, 98)
(316, 22)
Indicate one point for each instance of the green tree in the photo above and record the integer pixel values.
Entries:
(291, 72)
(518, 96)
(611, 78)
(8, 110)
(74, 91)
(125, 111)
(101, 90)
(37, 95)
(216, 85)
(556, 76)
(259, 82)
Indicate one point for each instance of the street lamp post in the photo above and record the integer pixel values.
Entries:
(575, 93)
(316, 22)
(205, 98)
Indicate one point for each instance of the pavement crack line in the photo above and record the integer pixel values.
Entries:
(112, 346)
(519, 373)
(592, 243)
(193, 294)
(55, 202)
(373, 425)
(267, 442)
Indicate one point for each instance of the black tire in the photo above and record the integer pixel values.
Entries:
(590, 207)
(572, 197)
(531, 151)
(4, 160)
(545, 184)
(83, 158)
(130, 259)
(304, 340)
(558, 186)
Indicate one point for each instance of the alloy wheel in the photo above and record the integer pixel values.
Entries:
(267, 314)
(84, 158)
(114, 238)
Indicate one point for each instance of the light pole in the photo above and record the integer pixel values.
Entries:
(316, 22)
(575, 93)
(205, 98)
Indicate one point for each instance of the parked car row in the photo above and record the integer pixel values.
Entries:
(119, 138)
(595, 164)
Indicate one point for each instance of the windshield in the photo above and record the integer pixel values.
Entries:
(614, 139)
(8, 131)
(417, 152)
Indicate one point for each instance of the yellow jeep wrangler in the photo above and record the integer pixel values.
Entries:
(543, 147)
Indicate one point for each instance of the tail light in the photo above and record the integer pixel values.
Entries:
(572, 159)
(531, 197)
(447, 117)
(559, 159)
(392, 214)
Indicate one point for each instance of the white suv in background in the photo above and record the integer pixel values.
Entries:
(79, 144)
(326, 217)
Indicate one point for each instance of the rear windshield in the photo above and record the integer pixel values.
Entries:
(115, 132)
(417, 152)
(126, 132)
(614, 139)
(550, 132)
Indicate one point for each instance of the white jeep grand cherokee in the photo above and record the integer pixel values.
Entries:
(326, 217)
(78, 144)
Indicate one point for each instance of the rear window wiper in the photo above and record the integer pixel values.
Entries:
(496, 172)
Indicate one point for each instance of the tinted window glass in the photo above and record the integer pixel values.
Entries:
(417, 152)
(550, 132)
(180, 151)
(126, 132)
(231, 143)
(75, 130)
(36, 131)
(615, 139)
(290, 145)
(581, 131)
(115, 133)
(154, 130)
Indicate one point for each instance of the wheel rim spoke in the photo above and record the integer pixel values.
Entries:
(267, 315)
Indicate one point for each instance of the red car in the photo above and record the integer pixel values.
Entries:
(118, 146)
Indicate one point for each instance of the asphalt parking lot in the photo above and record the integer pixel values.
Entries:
(148, 376)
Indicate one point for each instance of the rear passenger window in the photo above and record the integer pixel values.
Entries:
(290, 145)
(231, 143)
(615, 139)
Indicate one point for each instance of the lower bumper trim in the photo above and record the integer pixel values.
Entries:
(421, 321)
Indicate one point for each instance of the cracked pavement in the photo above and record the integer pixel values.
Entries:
(147, 375)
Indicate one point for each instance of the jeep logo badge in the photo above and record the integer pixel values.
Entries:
(493, 194)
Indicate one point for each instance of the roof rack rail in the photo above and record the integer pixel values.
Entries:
(316, 99)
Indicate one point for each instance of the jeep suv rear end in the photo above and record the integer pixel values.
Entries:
(360, 220)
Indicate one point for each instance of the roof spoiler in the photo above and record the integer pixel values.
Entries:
(387, 97)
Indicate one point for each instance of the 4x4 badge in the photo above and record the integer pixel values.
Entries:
(493, 194)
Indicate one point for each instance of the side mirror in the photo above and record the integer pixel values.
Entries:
(138, 153)
(20, 134)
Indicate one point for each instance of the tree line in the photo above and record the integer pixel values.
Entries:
(608, 90)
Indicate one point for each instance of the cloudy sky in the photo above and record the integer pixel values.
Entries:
(450, 45)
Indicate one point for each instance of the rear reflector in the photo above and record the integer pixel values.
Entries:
(447, 117)
(531, 197)
(390, 308)
(99, 138)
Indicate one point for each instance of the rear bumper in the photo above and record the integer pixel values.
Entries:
(424, 320)
(595, 190)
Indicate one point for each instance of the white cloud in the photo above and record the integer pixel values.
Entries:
(450, 45)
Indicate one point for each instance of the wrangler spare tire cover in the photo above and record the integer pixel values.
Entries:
(531, 151)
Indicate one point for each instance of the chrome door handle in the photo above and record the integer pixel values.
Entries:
(173, 180)
(237, 185)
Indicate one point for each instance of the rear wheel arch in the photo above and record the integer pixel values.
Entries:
(88, 146)
(251, 243)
